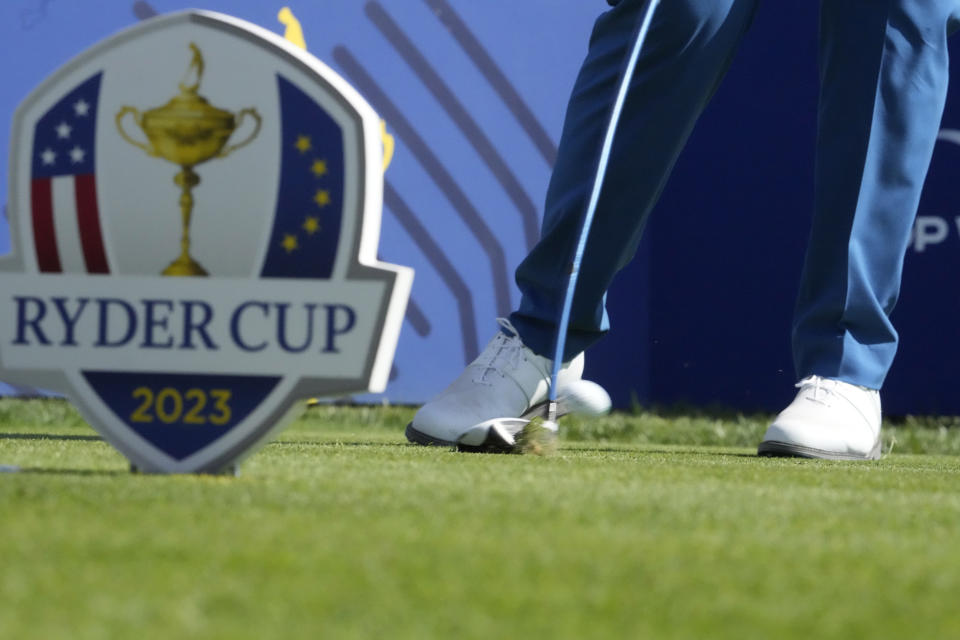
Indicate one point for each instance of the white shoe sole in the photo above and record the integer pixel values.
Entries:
(772, 448)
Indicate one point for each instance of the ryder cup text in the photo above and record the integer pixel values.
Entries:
(251, 326)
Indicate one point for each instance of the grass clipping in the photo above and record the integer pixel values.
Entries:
(536, 440)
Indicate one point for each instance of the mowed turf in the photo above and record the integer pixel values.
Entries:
(640, 526)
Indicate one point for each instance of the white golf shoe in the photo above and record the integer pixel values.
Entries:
(828, 419)
(493, 397)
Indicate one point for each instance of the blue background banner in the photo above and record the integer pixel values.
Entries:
(474, 94)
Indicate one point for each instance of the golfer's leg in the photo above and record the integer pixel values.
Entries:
(884, 72)
(688, 49)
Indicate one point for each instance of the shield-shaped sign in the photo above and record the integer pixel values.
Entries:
(195, 214)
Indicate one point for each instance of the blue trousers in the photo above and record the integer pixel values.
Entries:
(884, 71)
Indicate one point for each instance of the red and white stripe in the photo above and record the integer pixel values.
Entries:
(67, 233)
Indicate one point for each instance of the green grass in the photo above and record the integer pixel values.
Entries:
(650, 525)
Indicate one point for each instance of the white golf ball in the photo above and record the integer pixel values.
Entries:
(583, 397)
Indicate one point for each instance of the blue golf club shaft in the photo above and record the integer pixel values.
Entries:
(643, 28)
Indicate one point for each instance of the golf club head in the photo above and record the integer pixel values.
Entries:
(504, 435)
(498, 435)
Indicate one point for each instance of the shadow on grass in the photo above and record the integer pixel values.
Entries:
(334, 443)
(646, 449)
(46, 471)
(576, 449)
(47, 436)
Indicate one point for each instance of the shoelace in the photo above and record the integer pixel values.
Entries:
(823, 389)
(817, 383)
(505, 353)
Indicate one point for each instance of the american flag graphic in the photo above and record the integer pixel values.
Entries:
(67, 232)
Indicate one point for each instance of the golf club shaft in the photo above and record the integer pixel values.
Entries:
(646, 17)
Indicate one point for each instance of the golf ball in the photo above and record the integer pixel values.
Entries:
(583, 397)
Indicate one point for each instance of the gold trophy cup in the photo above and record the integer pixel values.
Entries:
(188, 131)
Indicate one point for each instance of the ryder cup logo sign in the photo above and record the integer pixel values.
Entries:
(195, 210)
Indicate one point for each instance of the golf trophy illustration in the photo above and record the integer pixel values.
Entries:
(188, 131)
